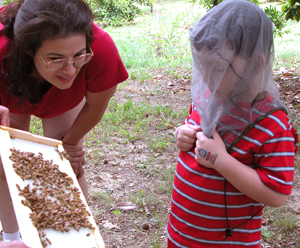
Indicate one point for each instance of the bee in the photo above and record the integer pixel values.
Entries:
(43, 234)
(48, 241)
(44, 244)
(52, 197)
(18, 186)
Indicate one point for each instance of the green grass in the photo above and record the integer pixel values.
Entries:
(287, 49)
(131, 120)
(282, 223)
(157, 40)
(161, 39)
(36, 126)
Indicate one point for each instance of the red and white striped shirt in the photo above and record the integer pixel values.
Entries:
(199, 204)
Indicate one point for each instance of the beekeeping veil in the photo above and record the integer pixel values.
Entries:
(232, 81)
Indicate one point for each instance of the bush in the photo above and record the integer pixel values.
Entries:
(278, 19)
(116, 12)
(276, 16)
(292, 10)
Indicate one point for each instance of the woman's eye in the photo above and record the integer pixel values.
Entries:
(79, 54)
(54, 58)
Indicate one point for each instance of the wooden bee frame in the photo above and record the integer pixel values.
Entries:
(52, 150)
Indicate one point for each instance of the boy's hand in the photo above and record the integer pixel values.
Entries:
(186, 137)
(210, 152)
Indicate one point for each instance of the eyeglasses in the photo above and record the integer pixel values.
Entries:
(57, 64)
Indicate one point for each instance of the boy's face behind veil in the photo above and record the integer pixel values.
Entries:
(221, 72)
(232, 48)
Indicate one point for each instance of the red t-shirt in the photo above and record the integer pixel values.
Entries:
(102, 72)
(198, 208)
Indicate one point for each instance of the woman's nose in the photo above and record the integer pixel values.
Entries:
(69, 68)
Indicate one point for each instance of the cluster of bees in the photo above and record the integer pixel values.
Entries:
(51, 195)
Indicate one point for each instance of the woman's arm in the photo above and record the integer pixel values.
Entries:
(89, 116)
(213, 154)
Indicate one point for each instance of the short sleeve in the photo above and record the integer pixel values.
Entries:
(276, 156)
(106, 68)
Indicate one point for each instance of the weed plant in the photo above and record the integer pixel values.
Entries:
(131, 120)
(282, 223)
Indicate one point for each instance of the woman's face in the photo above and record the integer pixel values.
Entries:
(64, 48)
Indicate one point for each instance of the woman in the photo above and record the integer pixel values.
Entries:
(61, 67)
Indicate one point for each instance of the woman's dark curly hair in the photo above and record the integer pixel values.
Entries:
(27, 24)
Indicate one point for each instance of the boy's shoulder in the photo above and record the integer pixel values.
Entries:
(275, 125)
(276, 118)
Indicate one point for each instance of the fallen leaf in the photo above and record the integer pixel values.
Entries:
(287, 74)
(125, 206)
(106, 224)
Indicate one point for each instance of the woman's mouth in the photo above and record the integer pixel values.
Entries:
(65, 79)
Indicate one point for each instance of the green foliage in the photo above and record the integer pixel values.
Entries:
(291, 9)
(278, 19)
(208, 4)
(116, 12)
(276, 16)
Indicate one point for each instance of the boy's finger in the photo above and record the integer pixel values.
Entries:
(201, 136)
(195, 128)
(216, 136)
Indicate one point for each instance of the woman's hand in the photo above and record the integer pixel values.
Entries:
(76, 154)
(185, 137)
(13, 244)
(210, 152)
(4, 116)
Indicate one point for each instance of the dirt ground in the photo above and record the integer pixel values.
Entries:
(123, 177)
(130, 175)
(126, 177)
